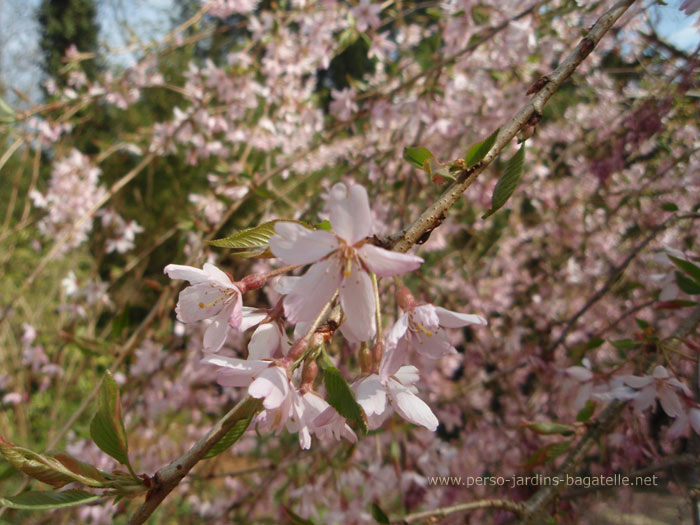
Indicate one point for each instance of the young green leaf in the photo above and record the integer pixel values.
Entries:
(340, 396)
(236, 431)
(547, 453)
(55, 471)
(251, 240)
(46, 500)
(586, 412)
(549, 427)
(479, 150)
(689, 268)
(689, 286)
(379, 515)
(107, 427)
(417, 156)
(508, 181)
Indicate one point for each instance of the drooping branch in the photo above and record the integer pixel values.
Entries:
(528, 115)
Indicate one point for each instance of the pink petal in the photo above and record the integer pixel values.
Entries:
(215, 336)
(295, 244)
(392, 360)
(407, 375)
(450, 319)
(386, 263)
(411, 407)
(357, 300)
(644, 398)
(426, 316)
(272, 385)
(638, 382)
(371, 395)
(679, 428)
(660, 372)
(218, 276)
(669, 401)
(313, 291)
(251, 317)
(432, 346)
(265, 341)
(187, 273)
(579, 373)
(199, 301)
(694, 417)
(350, 214)
(235, 372)
(236, 317)
(398, 330)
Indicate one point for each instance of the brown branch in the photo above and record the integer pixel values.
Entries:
(496, 504)
(431, 217)
(536, 504)
(167, 478)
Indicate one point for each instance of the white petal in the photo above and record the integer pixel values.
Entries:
(285, 284)
(411, 407)
(371, 395)
(579, 373)
(386, 263)
(215, 336)
(670, 401)
(199, 301)
(644, 398)
(295, 244)
(407, 375)
(694, 417)
(450, 319)
(398, 330)
(217, 275)
(236, 316)
(433, 346)
(251, 317)
(187, 273)
(313, 291)
(392, 360)
(235, 372)
(660, 372)
(350, 214)
(357, 300)
(638, 382)
(272, 385)
(265, 341)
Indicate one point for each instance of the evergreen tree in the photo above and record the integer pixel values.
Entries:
(66, 22)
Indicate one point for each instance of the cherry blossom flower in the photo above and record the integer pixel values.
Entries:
(212, 294)
(581, 378)
(306, 420)
(659, 385)
(341, 260)
(421, 328)
(367, 15)
(685, 420)
(377, 397)
(269, 338)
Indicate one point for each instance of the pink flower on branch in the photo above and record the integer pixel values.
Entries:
(378, 396)
(341, 260)
(212, 295)
(421, 328)
(659, 385)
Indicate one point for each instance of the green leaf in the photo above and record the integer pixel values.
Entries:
(586, 412)
(340, 396)
(46, 500)
(642, 324)
(547, 453)
(479, 150)
(689, 268)
(624, 344)
(324, 225)
(550, 427)
(107, 427)
(256, 239)
(379, 515)
(230, 437)
(689, 286)
(669, 206)
(55, 471)
(508, 181)
(294, 518)
(417, 156)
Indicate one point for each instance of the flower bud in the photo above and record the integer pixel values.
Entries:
(377, 353)
(405, 298)
(251, 282)
(308, 376)
(365, 359)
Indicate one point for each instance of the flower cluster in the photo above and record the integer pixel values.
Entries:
(344, 264)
